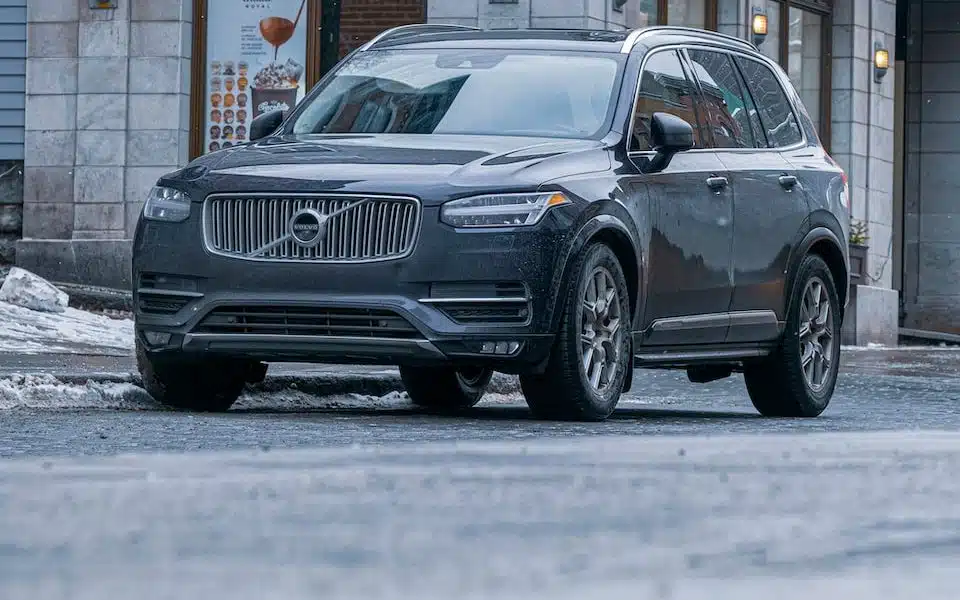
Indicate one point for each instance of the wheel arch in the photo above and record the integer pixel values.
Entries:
(614, 231)
(823, 241)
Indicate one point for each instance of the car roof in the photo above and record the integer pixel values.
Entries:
(584, 40)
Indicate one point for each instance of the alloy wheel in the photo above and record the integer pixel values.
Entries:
(816, 335)
(601, 334)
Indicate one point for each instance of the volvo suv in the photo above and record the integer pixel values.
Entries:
(565, 206)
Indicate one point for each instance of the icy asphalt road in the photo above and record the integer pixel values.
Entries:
(878, 390)
(684, 494)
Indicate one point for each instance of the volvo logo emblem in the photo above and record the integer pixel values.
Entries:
(308, 227)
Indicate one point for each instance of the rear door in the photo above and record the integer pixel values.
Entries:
(752, 123)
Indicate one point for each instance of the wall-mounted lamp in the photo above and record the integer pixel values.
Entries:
(758, 25)
(881, 61)
(618, 5)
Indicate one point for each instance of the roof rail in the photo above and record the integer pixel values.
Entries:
(636, 34)
(415, 29)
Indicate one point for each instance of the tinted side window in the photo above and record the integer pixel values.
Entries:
(776, 113)
(664, 87)
(752, 113)
(724, 103)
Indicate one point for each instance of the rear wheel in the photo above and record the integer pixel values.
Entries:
(445, 388)
(588, 366)
(195, 384)
(798, 379)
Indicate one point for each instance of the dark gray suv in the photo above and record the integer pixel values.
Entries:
(562, 205)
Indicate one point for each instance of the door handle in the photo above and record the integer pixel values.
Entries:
(717, 183)
(788, 181)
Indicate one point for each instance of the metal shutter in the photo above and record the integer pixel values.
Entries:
(13, 68)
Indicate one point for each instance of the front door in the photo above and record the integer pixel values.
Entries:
(689, 278)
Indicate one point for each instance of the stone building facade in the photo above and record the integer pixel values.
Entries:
(110, 99)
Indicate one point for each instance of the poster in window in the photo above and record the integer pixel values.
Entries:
(256, 52)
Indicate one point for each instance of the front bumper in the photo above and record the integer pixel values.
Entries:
(461, 297)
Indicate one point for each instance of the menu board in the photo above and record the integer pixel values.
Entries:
(256, 50)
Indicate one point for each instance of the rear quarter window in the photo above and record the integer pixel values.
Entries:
(776, 112)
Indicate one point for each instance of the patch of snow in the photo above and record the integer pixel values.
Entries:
(23, 288)
(917, 348)
(46, 391)
(73, 331)
(293, 399)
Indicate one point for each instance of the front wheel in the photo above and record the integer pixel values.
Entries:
(193, 384)
(798, 379)
(445, 388)
(588, 366)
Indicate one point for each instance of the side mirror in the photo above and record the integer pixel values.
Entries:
(265, 124)
(669, 134)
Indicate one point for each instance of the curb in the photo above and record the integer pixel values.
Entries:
(93, 298)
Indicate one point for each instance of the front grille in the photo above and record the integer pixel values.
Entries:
(308, 321)
(376, 228)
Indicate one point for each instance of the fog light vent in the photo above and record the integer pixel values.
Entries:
(156, 338)
(503, 348)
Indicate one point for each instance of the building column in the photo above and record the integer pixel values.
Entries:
(107, 114)
(862, 124)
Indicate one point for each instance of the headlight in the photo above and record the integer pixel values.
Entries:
(500, 210)
(166, 204)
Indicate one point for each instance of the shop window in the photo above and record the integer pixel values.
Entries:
(664, 87)
(805, 58)
(776, 114)
(687, 13)
(725, 107)
(641, 13)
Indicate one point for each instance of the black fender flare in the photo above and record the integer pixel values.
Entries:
(603, 218)
(819, 232)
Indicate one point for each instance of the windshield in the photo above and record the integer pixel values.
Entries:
(481, 92)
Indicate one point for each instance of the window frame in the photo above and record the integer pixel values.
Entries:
(732, 53)
(710, 8)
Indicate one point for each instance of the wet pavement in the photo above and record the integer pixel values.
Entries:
(878, 390)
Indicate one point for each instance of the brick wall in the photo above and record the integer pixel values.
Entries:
(361, 20)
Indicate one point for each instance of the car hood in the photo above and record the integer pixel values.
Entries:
(432, 168)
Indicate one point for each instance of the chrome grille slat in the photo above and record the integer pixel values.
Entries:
(379, 228)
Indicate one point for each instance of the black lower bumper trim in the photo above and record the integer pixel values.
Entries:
(320, 348)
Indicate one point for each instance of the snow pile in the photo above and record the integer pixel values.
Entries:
(23, 288)
(45, 391)
(72, 331)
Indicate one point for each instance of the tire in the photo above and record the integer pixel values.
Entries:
(445, 388)
(781, 386)
(565, 390)
(199, 385)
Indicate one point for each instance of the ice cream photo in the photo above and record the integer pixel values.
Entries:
(275, 87)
